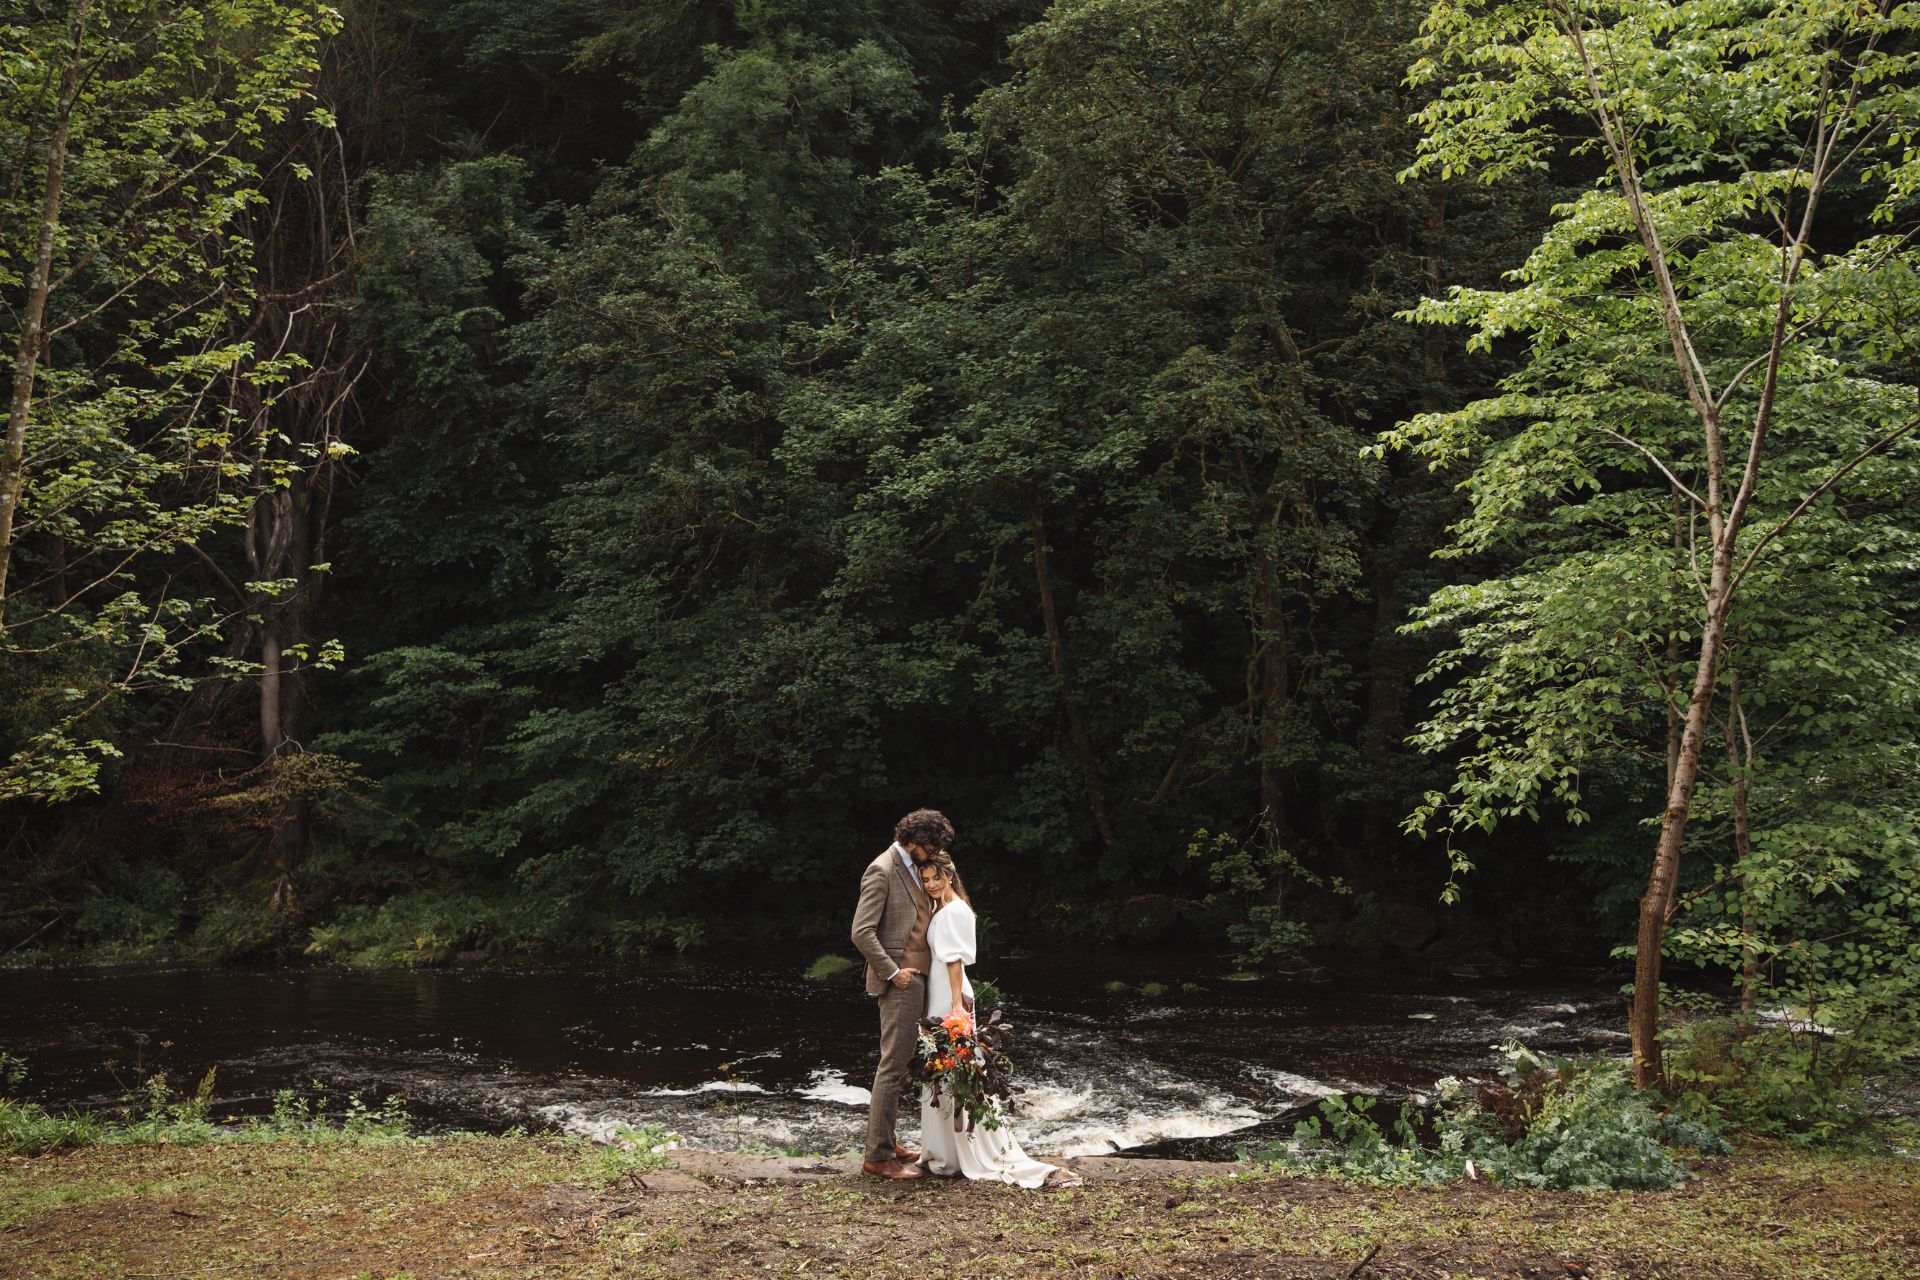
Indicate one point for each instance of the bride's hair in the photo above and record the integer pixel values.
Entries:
(944, 861)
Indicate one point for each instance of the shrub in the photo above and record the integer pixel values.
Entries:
(166, 1118)
(303, 1118)
(631, 1153)
(431, 927)
(230, 929)
(26, 1128)
(29, 1129)
(420, 929)
(828, 967)
(652, 933)
(135, 908)
(1550, 1123)
(1801, 1081)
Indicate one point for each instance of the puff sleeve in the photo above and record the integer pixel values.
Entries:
(950, 937)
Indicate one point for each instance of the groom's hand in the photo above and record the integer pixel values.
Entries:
(903, 978)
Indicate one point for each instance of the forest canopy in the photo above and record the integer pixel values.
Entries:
(552, 475)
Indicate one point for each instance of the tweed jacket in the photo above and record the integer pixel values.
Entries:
(884, 919)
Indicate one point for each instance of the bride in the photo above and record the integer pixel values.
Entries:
(991, 1154)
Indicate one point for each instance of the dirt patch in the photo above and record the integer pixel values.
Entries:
(482, 1209)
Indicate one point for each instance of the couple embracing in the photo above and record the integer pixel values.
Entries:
(915, 927)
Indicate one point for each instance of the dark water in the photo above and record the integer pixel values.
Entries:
(744, 1052)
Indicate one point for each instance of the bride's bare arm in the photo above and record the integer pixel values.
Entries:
(956, 982)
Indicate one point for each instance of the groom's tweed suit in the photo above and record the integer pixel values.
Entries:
(890, 929)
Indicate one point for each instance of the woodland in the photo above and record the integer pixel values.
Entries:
(539, 476)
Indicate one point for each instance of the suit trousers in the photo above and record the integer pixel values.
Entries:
(900, 1014)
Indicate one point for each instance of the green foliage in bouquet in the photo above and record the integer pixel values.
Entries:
(967, 1065)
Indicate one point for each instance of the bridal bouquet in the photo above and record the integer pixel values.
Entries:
(968, 1064)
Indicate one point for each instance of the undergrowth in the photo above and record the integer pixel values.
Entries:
(425, 929)
(1551, 1123)
(631, 1152)
(1801, 1080)
(157, 1114)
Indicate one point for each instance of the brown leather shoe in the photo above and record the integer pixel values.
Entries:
(905, 1155)
(893, 1169)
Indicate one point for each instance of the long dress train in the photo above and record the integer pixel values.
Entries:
(990, 1154)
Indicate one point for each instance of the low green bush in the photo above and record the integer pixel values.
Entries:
(182, 1120)
(229, 929)
(828, 967)
(631, 1153)
(159, 1115)
(134, 909)
(430, 928)
(1807, 1082)
(26, 1128)
(308, 1118)
(1551, 1123)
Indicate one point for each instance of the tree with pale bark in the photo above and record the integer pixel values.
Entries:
(1715, 360)
(134, 137)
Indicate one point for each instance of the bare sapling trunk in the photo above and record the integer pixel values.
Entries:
(39, 286)
(275, 545)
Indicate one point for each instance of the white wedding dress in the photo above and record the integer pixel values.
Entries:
(990, 1154)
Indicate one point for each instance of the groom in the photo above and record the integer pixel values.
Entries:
(890, 929)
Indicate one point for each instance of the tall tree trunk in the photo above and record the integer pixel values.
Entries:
(277, 548)
(1674, 625)
(1740, 763)
(1824, 153)
(282, 711)
(39, 286)
(1656, 905)
(1080, 745)
(1383, 702)
(1275, 679)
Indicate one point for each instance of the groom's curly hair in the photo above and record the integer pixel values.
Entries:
(924, 826)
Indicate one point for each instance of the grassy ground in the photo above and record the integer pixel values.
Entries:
(484, 1208)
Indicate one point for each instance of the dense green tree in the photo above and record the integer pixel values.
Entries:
(1707, 329)
(136, 134)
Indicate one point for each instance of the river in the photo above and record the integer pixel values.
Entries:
(743, 1052)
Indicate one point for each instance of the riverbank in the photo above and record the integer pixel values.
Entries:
(487, 1208)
